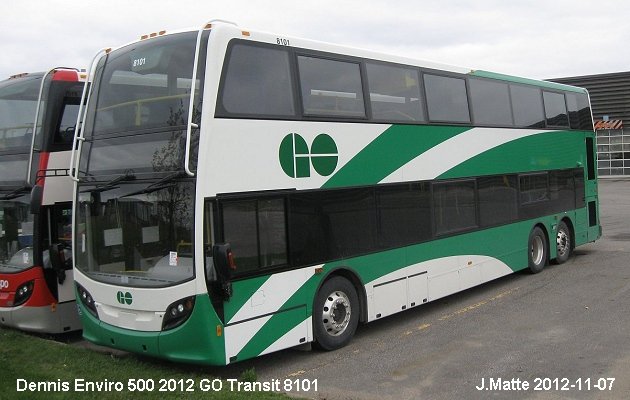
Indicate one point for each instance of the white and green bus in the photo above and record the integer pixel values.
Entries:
(239, 192)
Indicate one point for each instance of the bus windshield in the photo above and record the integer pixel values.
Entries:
(12, 171)
(18, 103)
(145, 85)
(16, 234)
(136, 234)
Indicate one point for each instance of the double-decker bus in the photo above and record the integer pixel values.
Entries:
(240, 192)
(38, 114)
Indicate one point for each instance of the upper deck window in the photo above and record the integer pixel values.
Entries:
(527, 106)
(446, 99)
(394, 93)
(490, 102)
(18, 102)
(555, 109)
(331, 88)
(258, 82)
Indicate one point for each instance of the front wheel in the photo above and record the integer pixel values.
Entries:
(537, 250)
(564, 244)
(335, 313)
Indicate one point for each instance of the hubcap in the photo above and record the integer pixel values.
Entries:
(537, 250)
(562, 242)
(336, 313)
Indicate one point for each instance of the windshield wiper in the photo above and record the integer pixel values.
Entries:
(16, 193)
(161, 184)
(111, 184)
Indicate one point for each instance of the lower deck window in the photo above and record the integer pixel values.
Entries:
(454, 206)
(256, 231)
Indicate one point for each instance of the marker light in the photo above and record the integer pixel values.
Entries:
(152, 35)
(22, 75)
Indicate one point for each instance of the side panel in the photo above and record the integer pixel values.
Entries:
(249, 312)
(58, 188)
(261, 320)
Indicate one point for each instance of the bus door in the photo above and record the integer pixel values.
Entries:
(590, 195)
(57, 260)
(248, 301)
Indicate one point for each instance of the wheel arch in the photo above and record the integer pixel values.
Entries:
(567, 220)
(352, 276)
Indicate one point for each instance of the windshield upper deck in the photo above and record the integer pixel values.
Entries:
(18, 103)
(143, 86)
(139, 106)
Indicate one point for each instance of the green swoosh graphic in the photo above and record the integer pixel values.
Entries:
(388, 152)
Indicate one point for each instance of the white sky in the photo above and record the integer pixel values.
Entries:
(531, 38)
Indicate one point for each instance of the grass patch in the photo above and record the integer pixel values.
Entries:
(36, 359)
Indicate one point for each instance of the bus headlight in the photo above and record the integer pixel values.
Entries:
(178, 312)
(87, 300)
(23, 293)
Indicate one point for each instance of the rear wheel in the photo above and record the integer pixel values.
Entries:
(335, 313)
(537, 250)
(564, 243)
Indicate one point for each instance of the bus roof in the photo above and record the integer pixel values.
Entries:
(232, 29)
(516, 79)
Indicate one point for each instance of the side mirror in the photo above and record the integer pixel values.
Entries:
(37, 193)
(95, 204)
(224, 265)
(223, 261)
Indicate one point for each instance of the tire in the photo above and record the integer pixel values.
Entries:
(537, 250)
(335, 314)
(564, 243)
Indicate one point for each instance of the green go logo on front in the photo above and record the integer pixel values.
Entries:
(296, 158)
(124, 298)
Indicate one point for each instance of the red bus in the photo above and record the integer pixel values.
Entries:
(38, 114)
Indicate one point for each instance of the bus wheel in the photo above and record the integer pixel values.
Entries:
(335, 314)
(564, 245)
(537, 250)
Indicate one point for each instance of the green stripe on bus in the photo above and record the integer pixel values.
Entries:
(388, 152)
(243, 291)
(526, 81)
(282, 322)
(531, 153)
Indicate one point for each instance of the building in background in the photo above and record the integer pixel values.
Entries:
(610, 100)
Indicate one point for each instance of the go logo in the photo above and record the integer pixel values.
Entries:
(296, 158)
(124, 298)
